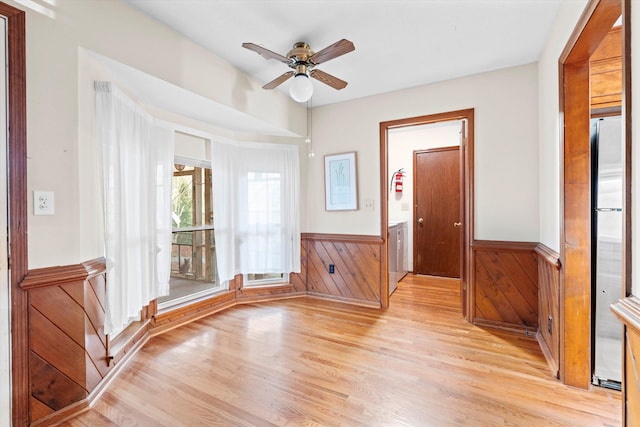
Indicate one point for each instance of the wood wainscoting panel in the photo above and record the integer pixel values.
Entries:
(605, 67)
(357, 267)
(299, 280)
(505, 285)
(67, 344)
(628, 311)
(549, 306)
(632, 376)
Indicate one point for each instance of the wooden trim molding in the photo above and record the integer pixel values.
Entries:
(467, 196)
(53, 276)
(548, 255)
(549, 320)
(350, 301)
(628, 311)
(17, 200)
(350, 238)
(174, 317)
(490, 245)
(575, 250)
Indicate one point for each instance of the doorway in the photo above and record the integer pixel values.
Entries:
(575, 248)
(466, 191)
(437, 232)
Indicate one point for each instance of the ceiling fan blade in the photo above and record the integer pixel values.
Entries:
(328, 79)
(337, 49)
(266, 53)
(278, 80)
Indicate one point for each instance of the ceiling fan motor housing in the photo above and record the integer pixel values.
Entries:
(299, 56)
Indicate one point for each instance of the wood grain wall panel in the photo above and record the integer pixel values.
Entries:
(357, 263)
(632, 377)
(92, 375)
(628, 311)
(505, 276)
(51, 387)
(605, 67)
(57, 348)
(61, 310)
(96, 348)
(95, 313)
(97, 281)
(38, 409)
(94, 287)
(299, 280)
(66, 334)
(549, 305)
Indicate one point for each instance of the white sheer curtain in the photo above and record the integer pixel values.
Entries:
(137, 163)
(256, 215)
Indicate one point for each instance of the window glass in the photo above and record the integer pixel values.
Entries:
(193, 256)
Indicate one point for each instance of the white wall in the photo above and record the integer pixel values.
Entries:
(192, 146)
(402, 143)
(57, 112)
(506, 151)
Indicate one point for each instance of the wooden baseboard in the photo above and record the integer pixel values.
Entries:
(522, 330)
(553, 366)
(165, 322)
(127, 340)
(360, 303)
(291, 295)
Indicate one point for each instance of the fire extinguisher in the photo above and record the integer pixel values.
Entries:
(396, 180)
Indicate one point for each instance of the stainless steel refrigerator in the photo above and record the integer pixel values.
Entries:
(607, 278)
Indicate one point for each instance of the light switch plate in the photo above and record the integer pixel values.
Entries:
(43, 203)
(368, 204)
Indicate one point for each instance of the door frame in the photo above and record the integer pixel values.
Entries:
(466, 190)
(17, 209)
(415, 206)
(575, 181)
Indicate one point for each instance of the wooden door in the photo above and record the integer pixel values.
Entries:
(437, 230)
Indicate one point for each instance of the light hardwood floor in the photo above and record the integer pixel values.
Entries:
(311, 362)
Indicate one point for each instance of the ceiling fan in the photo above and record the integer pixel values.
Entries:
(303, 60)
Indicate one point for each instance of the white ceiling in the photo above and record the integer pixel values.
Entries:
(399, 43)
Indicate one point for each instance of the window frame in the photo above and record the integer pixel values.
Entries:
(218, 286)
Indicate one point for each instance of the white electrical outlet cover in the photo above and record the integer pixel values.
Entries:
(43, 203)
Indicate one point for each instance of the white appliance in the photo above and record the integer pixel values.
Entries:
(398, 253)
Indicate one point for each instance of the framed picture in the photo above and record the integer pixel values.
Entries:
(340, 187)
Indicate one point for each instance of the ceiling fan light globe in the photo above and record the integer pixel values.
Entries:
(301, 88)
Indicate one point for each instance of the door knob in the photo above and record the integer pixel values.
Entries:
(457, 224)
(420, 220)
